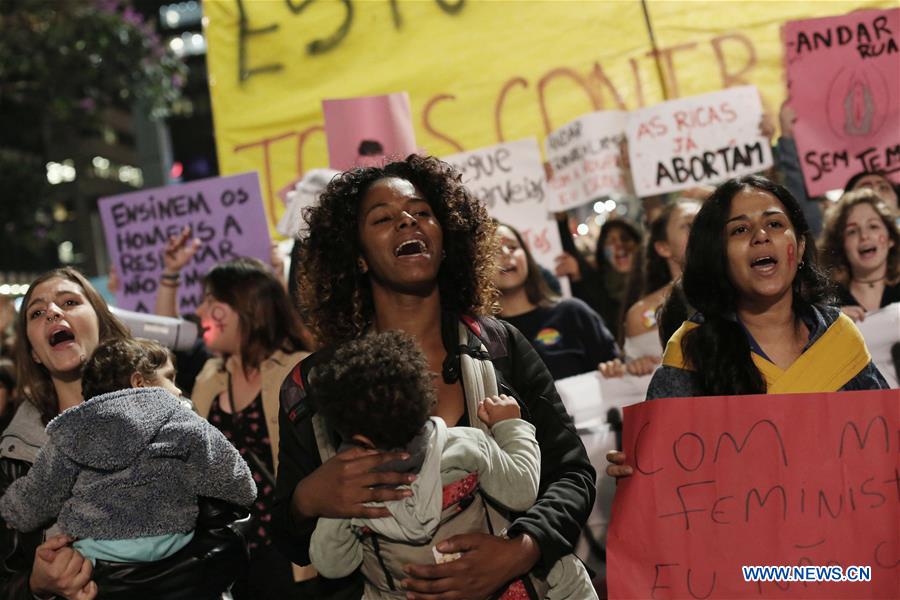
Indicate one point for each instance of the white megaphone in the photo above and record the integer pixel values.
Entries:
(173, 333)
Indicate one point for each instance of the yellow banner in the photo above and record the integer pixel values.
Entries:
(477, 73)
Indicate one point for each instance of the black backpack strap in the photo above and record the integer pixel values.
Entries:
(482, 330)
(293, 397)
(299, 406)
(491, 333)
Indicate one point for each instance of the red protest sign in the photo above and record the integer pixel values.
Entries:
(844, 85)
(788, 480)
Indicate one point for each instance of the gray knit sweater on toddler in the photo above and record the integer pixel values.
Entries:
(127, 464)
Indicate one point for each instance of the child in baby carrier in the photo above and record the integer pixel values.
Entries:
(377, 392)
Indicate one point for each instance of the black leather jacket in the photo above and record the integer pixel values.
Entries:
(203, 569)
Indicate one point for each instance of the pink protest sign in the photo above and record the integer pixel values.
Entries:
(225, 213)
(586, 158)
(792, 480)
(844, 83)
(365, 131)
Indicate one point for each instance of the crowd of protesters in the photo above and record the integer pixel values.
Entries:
(719, 294)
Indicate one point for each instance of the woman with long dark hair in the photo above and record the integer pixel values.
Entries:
(752, 275)
(568, 335)
(407, 247)
(763, 313)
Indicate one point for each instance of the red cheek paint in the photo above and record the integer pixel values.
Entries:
(882, 239)
(217, 314)
(791, 252)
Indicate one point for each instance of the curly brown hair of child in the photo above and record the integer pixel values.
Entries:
(113, 363)
(378, 386)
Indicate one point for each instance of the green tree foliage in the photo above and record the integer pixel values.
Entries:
(62, 63)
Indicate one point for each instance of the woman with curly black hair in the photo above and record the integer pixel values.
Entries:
(407, 247)
(764, 325)
(336, 288)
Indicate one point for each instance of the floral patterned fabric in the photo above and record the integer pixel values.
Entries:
(248, 432)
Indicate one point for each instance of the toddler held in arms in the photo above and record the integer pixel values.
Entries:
(122, 471)
(377, 392)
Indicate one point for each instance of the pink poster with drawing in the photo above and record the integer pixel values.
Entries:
(368, 131)
(844, 84)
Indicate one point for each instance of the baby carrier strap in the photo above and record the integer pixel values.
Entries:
(464, 510)
(296, 404)
(478, 376)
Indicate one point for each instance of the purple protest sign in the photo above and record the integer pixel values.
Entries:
(225, 213)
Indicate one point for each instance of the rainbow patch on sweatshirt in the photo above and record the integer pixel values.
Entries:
(547, 337)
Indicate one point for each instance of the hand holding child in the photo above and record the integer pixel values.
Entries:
(61, 570)
(494, 409)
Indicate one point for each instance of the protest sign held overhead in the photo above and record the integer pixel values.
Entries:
(370, 131)
(738, 481)
(704, 139)
(225, 213)
(844, 81)
(509, 178)
(586, 160)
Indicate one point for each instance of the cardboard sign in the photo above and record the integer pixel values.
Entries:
(881, 330)
(844, 85)
(586, 158)
(626, 390)
(787, 480)
(704, 139)
(589, 396)
(583, 399)
(370, 131)
(509, 178)
(225, 213)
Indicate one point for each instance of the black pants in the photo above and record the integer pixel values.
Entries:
(269, 577)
